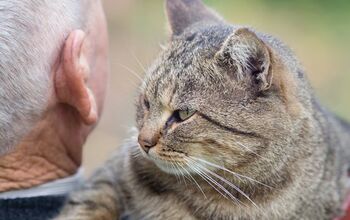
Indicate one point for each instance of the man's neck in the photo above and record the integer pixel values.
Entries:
(54, 188)
(40, 158)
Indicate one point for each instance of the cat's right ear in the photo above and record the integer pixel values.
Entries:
(184, 13)
(245, 57)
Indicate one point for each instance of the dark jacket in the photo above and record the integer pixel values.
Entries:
(36, 208)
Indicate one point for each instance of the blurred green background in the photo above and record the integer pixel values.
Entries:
(317, 30)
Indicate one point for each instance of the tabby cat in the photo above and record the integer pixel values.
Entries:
(227, 128)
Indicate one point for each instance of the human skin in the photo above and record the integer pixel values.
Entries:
(53, 148)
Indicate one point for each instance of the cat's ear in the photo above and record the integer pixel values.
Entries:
(184, 13)
(246, 57)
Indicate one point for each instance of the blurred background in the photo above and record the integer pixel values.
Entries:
(317, 30)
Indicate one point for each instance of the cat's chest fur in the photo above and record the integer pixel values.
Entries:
(158, 209)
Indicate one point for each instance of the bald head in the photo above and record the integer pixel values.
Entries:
(32, 33)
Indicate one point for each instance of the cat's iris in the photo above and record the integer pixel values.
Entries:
(183, 115)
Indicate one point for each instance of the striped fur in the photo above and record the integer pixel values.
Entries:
(259, 146)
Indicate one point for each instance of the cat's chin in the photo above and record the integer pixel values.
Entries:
(169, 167)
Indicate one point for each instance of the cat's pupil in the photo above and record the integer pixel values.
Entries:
(177, 117)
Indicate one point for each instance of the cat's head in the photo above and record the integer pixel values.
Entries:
(217, 94)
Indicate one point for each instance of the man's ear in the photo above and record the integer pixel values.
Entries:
(71, 78)
(247, 58)
(184, 13)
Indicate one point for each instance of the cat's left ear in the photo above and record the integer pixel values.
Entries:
(184, 13)
(246, 58)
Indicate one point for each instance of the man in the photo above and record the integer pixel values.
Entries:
(53, 70)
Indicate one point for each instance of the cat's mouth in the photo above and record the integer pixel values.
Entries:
(171, 162)
(171, 167)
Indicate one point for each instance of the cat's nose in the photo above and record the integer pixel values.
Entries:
(147, 142)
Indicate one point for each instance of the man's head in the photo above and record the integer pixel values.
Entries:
(53, 63)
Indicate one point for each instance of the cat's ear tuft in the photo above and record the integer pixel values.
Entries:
(246, 57)
(184, 13)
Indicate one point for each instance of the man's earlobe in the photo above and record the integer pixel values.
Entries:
(72, 76)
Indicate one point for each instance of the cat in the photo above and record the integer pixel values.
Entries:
(228, 127)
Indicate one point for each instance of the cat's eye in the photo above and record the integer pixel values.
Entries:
(183, 115)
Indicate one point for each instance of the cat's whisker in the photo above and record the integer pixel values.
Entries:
(183, 169)
(181, 174)
(176, 174)
(139, 62)
(266, 159)
(248, 149)
(162, 46)
(233, 173)
(133, 83)
(194, 180)
(168, 167)
(131, 71)
(200, 173)
(230, 184)
(200, 170)
(224, 191)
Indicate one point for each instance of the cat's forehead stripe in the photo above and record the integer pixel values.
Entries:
(165, 96)
(175, 88)
(161, 85)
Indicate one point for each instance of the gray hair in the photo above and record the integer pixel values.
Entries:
(32, 33)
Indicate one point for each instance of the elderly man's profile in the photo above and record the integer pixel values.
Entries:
(53, 71)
